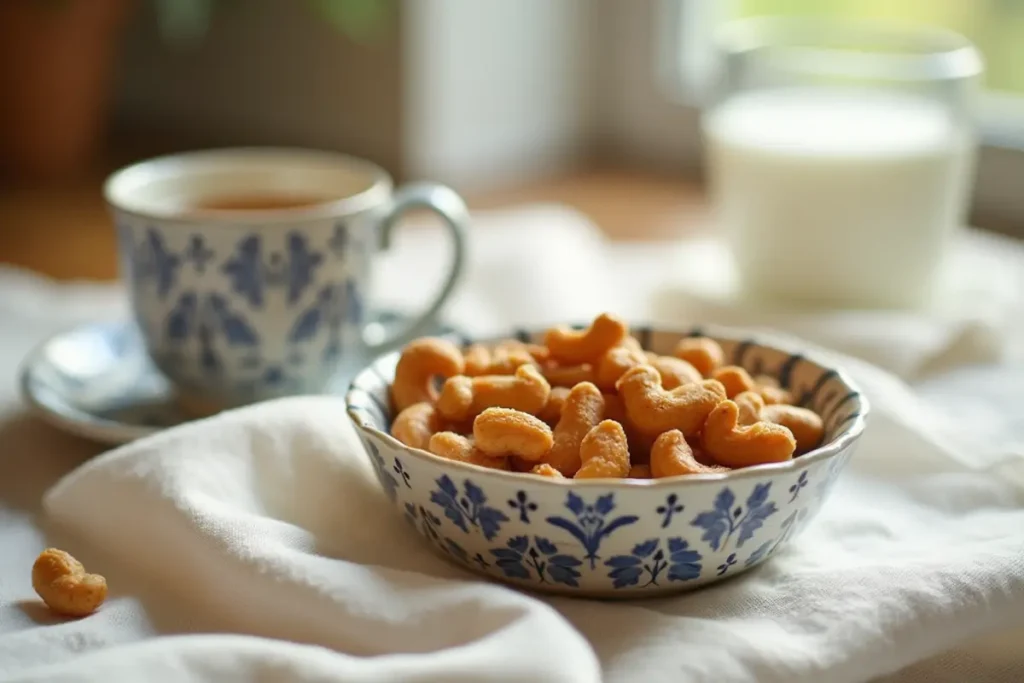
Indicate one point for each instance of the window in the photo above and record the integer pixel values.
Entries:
(995, 26)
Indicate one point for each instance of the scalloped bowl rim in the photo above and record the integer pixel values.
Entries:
(850, 433)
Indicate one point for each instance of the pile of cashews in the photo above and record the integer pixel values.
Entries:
(592, 404)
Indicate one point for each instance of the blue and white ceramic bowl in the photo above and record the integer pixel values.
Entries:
(608, 538)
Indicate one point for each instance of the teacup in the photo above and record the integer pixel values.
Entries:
(249, 269)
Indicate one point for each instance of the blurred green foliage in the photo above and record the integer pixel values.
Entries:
(185, 22)
(995, 26)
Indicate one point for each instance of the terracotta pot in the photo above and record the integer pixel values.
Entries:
(56, 69)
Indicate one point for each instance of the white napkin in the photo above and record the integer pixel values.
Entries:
(267, 522)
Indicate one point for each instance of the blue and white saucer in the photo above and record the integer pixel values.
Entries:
(97, 382)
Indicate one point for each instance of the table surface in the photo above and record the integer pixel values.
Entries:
(65, 231)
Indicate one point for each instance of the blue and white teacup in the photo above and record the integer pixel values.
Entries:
(249, 269)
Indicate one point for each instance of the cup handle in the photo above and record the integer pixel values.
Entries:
(447, 204)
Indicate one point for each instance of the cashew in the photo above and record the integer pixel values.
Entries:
(770, 390)
(65, 587)
(464, 397)
(733, 445)
(568, 375)
(701, 352)
(416, 424)
(604, 453)
(631, 343)
(460, 448)
(750, 404)
(552, 410)
(806, 425)
(735, 379)
(503, 359)
(503, 431)
(421, 361)
(614, 363)
(675, 372)
(639, 472)
(546, 470)
(582, 411)
(654, 410)
(569, 346)
(671, 456)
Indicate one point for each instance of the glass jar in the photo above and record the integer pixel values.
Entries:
(841, 157)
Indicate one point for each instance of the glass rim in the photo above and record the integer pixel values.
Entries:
(890, 50)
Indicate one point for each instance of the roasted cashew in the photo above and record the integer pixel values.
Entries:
(654, 410)
(733, 445)
(770, 390)
(552, 410)
(569, 376)
(546, 470)
(701, 352)
(735, 379)
(675, 372)
(582, 411)
(502, 359)
(749, 404)
(416, 424)
(421, 361)
(604, 452)
(614, 364)
(505, 432)
(465, 397)
(671, 456)
(806, 425)
(461, 449)
(639, 472)
(568, 346)
(65, 587)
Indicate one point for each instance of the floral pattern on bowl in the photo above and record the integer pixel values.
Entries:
(617, 538)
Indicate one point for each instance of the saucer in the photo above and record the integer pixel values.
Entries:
(96, 381)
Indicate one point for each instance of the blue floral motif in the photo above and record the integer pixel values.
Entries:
(800, 483)
(151, 260)
(683, 563)
(788, 529)
(198, 254)
(207, 318)
(410, 514)
(671, 507)
(339, 240)
(333, 305)
(591, 525)
(455, 550)
(525, 506)
(762, 550)
(725, 566)
(251, 273)
(520, 556)
(723, 521)
(467, 510)
(389, 483)
(402, 472)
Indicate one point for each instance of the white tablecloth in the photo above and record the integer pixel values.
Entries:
(966, 356)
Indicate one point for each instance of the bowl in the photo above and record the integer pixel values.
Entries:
(617, 538)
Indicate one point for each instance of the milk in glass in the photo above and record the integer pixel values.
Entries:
(838, 197)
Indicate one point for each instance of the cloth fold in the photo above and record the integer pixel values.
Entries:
(267, 521)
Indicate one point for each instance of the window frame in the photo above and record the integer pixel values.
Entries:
(685, 66)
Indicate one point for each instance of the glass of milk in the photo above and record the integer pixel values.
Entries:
(840, 158)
